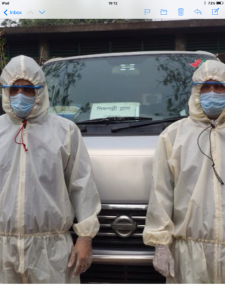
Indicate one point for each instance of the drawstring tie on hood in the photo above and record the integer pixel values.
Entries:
(21, 130)
(211, 158)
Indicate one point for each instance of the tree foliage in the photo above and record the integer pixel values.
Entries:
(3, 56)
(9, 23)
(52, 22)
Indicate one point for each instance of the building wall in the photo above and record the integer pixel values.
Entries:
(53, 41)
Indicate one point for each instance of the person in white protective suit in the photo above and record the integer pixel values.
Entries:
(46, 181)
(186, 214)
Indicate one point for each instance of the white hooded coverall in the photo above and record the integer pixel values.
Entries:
(187, 202)
(43, 189)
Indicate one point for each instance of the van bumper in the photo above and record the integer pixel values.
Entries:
(119, 257)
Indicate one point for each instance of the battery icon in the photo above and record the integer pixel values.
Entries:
(220, 3)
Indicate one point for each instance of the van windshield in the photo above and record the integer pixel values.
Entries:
(149, 85)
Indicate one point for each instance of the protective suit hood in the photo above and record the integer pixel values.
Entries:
(24, 67)
(210, 69)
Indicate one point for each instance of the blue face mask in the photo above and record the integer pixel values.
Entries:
(212, 103)
(21, 104)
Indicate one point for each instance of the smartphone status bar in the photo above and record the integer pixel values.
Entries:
(105, 9)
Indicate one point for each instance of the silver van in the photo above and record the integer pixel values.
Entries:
(121, 103)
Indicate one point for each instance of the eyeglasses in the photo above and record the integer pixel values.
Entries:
(207, 86)
(25, 89)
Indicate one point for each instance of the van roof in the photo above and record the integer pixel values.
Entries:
(127, 54)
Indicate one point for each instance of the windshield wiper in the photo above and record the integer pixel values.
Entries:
(112, 120)
(126, 126)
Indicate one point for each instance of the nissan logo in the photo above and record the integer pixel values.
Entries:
(124, 226)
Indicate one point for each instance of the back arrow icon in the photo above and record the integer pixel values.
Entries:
(5, 12)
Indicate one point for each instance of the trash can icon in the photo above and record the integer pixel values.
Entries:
(180, 11)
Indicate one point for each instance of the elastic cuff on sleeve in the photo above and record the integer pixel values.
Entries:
(162, 238)
(88, 227)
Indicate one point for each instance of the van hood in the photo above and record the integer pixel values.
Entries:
(122, 167)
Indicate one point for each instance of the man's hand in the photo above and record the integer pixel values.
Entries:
(81, 255)
(163, 261)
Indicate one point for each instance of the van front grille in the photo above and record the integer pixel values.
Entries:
(107, 237)
(107, 217)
